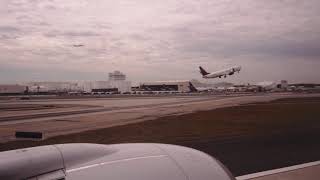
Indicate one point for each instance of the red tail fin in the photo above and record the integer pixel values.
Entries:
(202, 71)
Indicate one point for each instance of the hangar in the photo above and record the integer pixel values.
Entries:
(167, 86)
(12, 89)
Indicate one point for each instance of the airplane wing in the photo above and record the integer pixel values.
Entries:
(114, 162)
(130, 162)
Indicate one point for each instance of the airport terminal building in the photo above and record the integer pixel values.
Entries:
(167, 86)
(12, 89)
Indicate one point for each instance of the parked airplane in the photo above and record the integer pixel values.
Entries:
(204, 89)
(219, 74)
(130, 162)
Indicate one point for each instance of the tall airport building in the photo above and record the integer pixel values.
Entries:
(116, 80)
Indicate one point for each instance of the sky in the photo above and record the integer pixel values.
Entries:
(66, 40)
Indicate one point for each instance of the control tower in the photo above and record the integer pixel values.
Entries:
(117, 76)
(118, 80)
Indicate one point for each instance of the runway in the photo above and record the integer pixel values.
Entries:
(62, 108)
(247, 138)
(63, 116)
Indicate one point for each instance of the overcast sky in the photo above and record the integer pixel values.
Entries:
(159, 40)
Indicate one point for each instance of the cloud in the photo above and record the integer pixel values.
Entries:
(71, 34)
(8, 29)
(173, 37)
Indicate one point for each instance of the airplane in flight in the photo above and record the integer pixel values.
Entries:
(137, 161)
(219, 74)
(77, 45)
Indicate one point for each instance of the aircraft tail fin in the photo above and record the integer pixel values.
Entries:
(202, 71)
(192, 88)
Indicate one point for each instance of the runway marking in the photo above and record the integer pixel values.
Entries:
(277, 171)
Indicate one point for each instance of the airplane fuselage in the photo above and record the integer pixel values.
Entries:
(223, 73)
